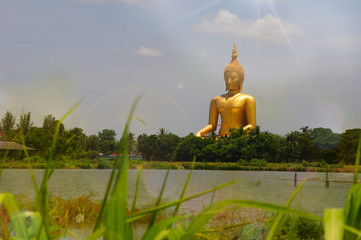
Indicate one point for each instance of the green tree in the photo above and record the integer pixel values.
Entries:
(293, 146)
(348, 145)
(40, 140)
(8, 126)
(77, 140)
(162, 132)
(108, 147)
(92, 143)
(107, 134)
(308, 149)
(49, 124)
(147, 146)
(190, 146)
(324, 139)
(165, 146)
(25, 123)
(108, 144)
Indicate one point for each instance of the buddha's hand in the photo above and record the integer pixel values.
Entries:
(198, 134)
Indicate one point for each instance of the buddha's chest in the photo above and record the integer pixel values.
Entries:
(235, 105)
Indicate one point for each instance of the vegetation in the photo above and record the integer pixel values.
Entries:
(318, 147)
(114, 222)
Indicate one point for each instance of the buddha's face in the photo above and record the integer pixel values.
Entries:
(232, 81)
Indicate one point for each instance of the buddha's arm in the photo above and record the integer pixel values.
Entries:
(251, 114)
(212, 122)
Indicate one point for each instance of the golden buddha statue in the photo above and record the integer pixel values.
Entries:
(237, 109)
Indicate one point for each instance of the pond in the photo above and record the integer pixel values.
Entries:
(272, 187)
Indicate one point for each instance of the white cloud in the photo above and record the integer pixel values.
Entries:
(145, 51)
(269, 28)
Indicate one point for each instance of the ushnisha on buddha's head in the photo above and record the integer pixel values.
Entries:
(234, 73)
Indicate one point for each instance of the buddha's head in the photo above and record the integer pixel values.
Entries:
(234, 73)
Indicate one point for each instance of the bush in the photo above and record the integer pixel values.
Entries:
(83, 163)
(305, 163)
(253, 162)
(258, 162)
(34, 159)
(293, 227)
(104, 164)
(243, 162)
(321, 164)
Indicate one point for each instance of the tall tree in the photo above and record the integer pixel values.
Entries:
(147, 145)
(77, 139)
(49, 124)
(324, 138)
(162, 132)
(348, 145)
(25, 123)
(8, 126)
(93, 143)
(107, 134)
(165, 146)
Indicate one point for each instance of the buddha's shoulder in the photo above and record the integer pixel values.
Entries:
(239, 95)
(246, 96)
(219, 97)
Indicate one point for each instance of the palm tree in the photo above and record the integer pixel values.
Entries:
(162, 132)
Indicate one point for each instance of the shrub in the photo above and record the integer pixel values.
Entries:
(104, 164)
(305, 163)
(258, 162)
(34, 159)
(293, 227)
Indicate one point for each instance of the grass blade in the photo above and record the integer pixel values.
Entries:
(136, 189)
(353, 210)
(157, 229)
(143, 213)
(152, 219)
(184, 188)
(352, 230)
(279, 217)
(42, 198)
(116, 165)
(135, 198)
(357, 161)
(333, 223)
(10, 204)
(115, 221)
(30, 165)
(203, 218)
(97, 234)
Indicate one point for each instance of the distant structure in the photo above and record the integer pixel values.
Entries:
(13, 146)
(237, 109)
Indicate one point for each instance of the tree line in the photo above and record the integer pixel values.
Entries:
(306, 144)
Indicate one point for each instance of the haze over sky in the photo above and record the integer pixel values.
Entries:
(302, 61)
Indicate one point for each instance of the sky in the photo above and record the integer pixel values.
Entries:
(302, 61)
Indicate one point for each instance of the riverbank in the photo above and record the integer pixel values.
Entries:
(136, 164)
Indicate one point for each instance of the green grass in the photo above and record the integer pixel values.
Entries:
(114, 222)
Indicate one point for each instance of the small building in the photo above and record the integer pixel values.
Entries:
(13, 146)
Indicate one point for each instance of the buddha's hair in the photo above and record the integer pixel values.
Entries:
(234, 65)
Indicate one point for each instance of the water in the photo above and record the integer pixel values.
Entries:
(259, 186)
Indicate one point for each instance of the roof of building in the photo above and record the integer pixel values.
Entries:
(13, 146)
